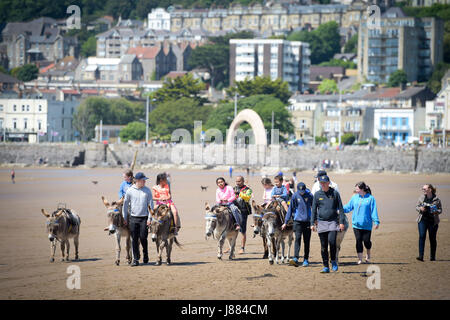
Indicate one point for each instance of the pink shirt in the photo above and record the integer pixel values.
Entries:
(225, 194)
(267, 195)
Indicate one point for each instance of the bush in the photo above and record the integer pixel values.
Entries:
(348, 139)
(321, 139)
(362, 143)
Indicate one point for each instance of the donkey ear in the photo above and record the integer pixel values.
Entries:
(45, 213)
(120, 202)
(60, 212)
(105, 202)
(152, 212)
(207, 207)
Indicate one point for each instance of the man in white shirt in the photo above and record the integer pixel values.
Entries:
(316, 186)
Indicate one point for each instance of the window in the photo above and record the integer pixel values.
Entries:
(28, 107)
(357, 126)
(40, 108)
(15, 123)
(23, 107)
(25, 123)
(383, 122)
(347, 126)
(302, 124)
(327, 126)
(336, 126)
(432, 124)
(404, 121)
(1, 107)
(39, 124)
(62, 123)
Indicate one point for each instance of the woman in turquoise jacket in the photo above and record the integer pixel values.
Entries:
(365, 214)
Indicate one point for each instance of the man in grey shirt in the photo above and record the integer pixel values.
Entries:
(137, 200)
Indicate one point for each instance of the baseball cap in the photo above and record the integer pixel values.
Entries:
(301, 186)
(321, 173)
(324, 178)
(140, 176)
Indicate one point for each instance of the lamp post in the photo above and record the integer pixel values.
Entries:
(339, 108)
(146, 122)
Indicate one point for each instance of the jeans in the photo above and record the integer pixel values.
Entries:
(362, 236)
(302, 227)
(425, 225)
(139, 232)
(328, 238)
(236, 214)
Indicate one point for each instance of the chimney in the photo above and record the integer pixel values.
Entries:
(402, 86)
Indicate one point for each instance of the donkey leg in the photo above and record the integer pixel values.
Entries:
(220, 247)
(271, 248)
(63, 246)
(266, 249)
(52, 251)
(232, 242)
(68, 249)
(128, 248)
(76, 243)
(118, 248)
(159, 249)
(169, 251)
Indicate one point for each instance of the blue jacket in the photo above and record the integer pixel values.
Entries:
(282, 191)
(299, 213)
(123, 188)
(365, 211)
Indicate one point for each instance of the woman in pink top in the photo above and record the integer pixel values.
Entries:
(225, 196)
(267, 194)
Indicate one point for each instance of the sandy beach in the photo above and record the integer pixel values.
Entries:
(196, 273)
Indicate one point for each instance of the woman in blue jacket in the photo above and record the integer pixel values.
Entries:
(365, 214)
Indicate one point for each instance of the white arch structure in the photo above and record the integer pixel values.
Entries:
(256, 124)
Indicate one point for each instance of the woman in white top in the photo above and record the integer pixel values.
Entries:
(267, 194)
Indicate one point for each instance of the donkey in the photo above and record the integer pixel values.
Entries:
(220, 224)
(162, 232)
(62, 225)
(272, 221)
(258, 227)
(118, 227)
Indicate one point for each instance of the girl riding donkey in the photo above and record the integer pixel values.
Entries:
(225, 196)
(161, 194)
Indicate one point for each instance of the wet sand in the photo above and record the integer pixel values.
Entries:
(196, 273)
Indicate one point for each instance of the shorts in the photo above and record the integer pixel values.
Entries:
(243, 225)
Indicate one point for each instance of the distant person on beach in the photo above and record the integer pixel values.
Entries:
(231, 171)
(429, 208)
(13, 176)
(126, 183)
(365, 214)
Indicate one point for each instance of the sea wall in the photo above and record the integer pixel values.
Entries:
(355, 158)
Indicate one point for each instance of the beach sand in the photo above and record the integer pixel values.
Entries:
(196, 273)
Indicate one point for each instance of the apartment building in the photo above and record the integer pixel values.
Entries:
(272, 16)
(274, 58)
(38, 40)
(399, 43)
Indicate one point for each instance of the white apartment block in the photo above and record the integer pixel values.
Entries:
(274, 58)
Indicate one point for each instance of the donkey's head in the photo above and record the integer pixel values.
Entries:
(160, 216)
(53, 223)
(258, 213)
(211, 219)
(113, 214)
(271, 222)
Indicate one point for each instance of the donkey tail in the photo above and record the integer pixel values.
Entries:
(177, 243)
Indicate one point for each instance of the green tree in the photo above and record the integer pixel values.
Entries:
(27, 72)
(222, 116)
(89, 48)
(263, 85)
(177, 114)
(352, 44)
(435, 80)
(3, 70)
(215, 57)
(327, 86)
(397, 78)
(133, 131)
(339, 63)
(185, 86)
(324, 42)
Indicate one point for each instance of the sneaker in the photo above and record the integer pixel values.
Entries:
(359, 262)
(146, 260)
(325, 270)
(305, 263)
(432, 259)
(135, 263)
(334, 266)
(293, 262)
